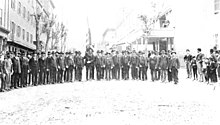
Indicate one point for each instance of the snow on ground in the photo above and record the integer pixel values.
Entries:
(113, 103)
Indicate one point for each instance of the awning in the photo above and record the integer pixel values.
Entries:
(23, 45)
(4, 32)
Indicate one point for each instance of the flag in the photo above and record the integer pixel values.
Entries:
(88, 35)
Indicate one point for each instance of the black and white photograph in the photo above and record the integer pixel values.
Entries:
(109, 62)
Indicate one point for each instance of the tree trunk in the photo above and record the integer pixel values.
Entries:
(47, 41)
(37, 37)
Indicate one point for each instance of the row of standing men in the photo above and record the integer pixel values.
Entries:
(19, 70)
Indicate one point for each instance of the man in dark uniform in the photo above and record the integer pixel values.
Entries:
(117, 64)
(69, 63)
(109, 65)
(53, 68)
(134, 65)
(34, 66)
(142, 67)
(61, 67)
(79, 66)
(42, 68)
(174, 66)
(125, 64)
(65, 61)
(16, 70)
(213, 66)
(98, 65)
(169, 73)
(48, 65)
(102, 64)
(2, 74)
(24, 69)
(152, 63)
(89, 63)
(157, 68)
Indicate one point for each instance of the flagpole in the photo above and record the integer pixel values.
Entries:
(89, 32)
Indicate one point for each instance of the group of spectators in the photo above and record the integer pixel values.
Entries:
(203, 68)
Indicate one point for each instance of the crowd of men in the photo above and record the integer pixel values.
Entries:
(203, 68)
(18, 70)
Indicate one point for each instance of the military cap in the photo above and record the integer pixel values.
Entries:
(49, 53)
(61, 53)
(53, 52)
(79, 52)
(101, 51)
(42, 53)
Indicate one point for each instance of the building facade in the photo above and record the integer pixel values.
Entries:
(22, 23)
(4, 26)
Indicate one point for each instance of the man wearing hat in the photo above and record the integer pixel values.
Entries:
(188, 59)
(89, 63)
(134, 65)
(125, 65)
(2, 74)
(98, 65)
(53, 68)
(34, 66)
(152, 64)
(117, 65)
(79, 66)
(48, 69)
(174, 66)
(16, 65)
(69, 64)
(199, 59)
(102, 64)
(42, 68)
(109, 65)
(61, 67)
(142, 67)
(163, 65)
(24, 69)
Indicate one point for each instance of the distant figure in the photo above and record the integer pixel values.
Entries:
(174, 66)
(199, 59)
(188, 60)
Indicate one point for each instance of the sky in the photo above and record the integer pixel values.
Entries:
(101, 14)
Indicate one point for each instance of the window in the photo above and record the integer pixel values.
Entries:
(23, 32)
(1, 16)
(31, 38)
(217, 6)
(28, 16)
(19, 8)
(12, 30)
(27, 36)
(24, 12)
(13, 4)
(18, 31)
